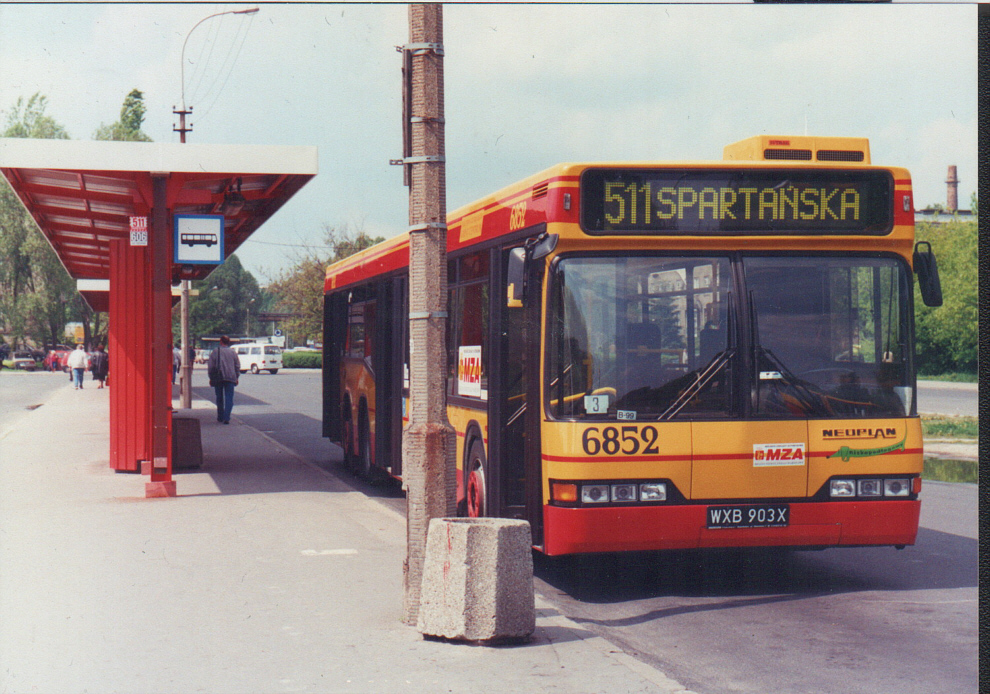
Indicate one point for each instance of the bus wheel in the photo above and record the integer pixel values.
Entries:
(476, 481)
(347, 434)
(364, 465)
(254, 369)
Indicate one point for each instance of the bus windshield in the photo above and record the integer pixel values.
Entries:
(658, 337)
(828, 336)
(640, 337)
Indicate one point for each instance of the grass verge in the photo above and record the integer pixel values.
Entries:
(943, 427)
(952, 377)
(939, 470)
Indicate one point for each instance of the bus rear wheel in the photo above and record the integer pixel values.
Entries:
(476, 481)
(254, 369)
(364, 465)
(347, 431)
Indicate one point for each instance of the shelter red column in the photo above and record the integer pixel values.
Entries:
(130, 357)
(160, 247)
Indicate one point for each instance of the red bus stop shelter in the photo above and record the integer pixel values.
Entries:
(108, 210)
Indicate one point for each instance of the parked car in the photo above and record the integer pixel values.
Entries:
(24, 361)
(255, 357)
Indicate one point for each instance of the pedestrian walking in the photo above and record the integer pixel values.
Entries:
(224, 369)
(78, 362)
(99, 364)
(176, 362)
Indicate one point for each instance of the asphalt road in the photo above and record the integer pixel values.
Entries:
(940, 397)
(842, 620)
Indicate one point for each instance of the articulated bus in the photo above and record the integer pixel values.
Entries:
(651, 356)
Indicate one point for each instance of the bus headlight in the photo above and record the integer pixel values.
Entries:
(870, 488)
(594, 493)
(897, 487)
(653, 491)
(624, 492)
(842, 488)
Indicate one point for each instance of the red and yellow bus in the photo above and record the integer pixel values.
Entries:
(649, 356)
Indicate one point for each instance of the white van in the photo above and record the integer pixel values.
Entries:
(256, 357)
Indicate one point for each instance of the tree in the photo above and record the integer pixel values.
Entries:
(948, 336)
(28, 119)
(299, 291)
(128, 128)
(227, 298)
(37, 296)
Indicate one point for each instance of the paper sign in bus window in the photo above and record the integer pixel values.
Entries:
(596, 404)
(469, 371)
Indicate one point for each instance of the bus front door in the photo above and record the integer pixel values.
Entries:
(514, 415)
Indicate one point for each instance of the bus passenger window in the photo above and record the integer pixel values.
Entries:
(468, 324)
(355, 332)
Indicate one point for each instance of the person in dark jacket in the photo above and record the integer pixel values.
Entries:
(99, 364)
(224, 370)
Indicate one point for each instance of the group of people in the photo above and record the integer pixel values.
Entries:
(97, 361)
(223, 368)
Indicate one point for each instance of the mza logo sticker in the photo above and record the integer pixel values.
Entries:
(777, 454)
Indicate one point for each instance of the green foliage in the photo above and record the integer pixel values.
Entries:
(302, 360)
(300, 290)
(228, 300)
(128, 128)
(37, 296)
(948, 336)
(944, 427)
(954, 377)
(940, 470)
(28, 119)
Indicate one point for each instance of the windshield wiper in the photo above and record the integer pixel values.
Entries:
(701, 379)
(809, 401)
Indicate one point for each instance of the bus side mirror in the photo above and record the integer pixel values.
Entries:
(927, 270)
(516, 277)
(519, 259)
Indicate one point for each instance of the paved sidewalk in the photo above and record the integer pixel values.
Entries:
(264, 575)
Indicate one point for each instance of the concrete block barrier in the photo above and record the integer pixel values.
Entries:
(187, 444)
(478, 580)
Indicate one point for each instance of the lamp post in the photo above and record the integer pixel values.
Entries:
(185, 378)
(183, 112)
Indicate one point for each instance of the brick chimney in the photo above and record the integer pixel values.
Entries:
(952, 195)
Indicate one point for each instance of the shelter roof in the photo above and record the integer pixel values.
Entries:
(81, 194)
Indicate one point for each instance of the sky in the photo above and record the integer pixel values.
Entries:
(527, 86)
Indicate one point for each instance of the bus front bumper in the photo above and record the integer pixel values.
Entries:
(811, 524)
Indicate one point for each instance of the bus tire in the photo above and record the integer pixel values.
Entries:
(273, 371)
(347, 434)
(254, 369)
(476, 483)
(364, 464)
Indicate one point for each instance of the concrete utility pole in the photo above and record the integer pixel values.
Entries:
(428, 467)
(186, 368)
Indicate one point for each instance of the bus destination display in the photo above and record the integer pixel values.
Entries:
(722, 201)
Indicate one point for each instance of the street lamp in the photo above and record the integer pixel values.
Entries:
(182, 112)
(185, 382)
